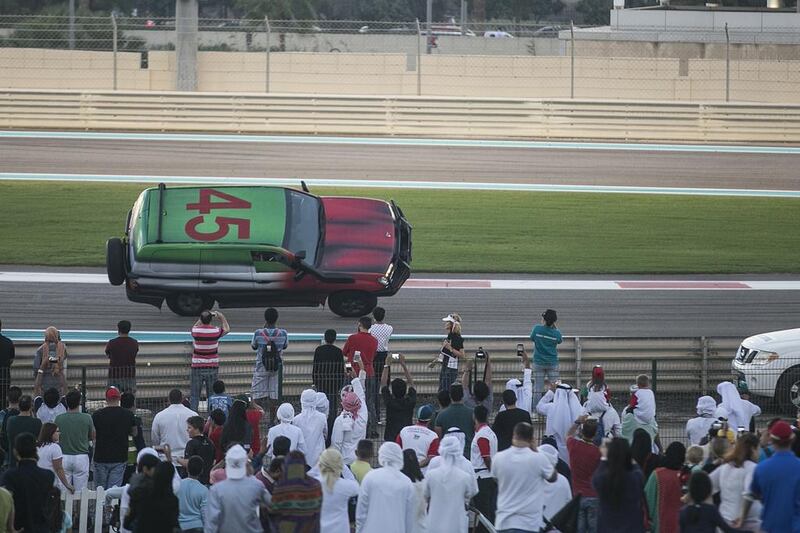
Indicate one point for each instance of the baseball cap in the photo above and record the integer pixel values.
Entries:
(450, 318)
(236, 462)
(780, 431)
(425, 412)
(113, 393)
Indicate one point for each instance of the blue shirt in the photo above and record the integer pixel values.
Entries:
(192, 497)
(220, 401)
(545, 342)
(777, 482)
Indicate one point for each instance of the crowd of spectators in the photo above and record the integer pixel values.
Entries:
(450, 467)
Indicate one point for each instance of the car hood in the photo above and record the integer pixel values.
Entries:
(775, 340)
(359, 235)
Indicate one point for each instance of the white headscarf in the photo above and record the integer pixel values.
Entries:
(322, 403)
(706, 406)
(596, 402)
(732, 406)
(390, 455)
(645, 410)
(550, 453)
(286, 413)
(458, 434)
(450, 449)
(523, 398)
(566, 409)
(308, 400)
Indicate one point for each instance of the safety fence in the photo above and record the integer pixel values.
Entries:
(449, 117)
(401, 58)
(681, 370)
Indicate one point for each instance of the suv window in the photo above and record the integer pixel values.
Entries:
(303, 224)
(270, 262)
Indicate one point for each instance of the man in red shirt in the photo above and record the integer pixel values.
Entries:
(121, 352)
(360, 351)
(584, 457)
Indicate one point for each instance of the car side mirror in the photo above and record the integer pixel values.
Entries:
(301, 255)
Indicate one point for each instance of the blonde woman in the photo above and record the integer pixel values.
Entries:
(452, 351)
(50, 363)
(336, 492)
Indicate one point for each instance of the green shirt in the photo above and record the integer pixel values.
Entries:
(360, 469)
(6, 505)
(460, 416)
(545, 345)
(76, 430)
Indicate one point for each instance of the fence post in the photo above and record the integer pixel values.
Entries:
(654, 375)
(419, 59)
(571, 59)
(727, 64)
(114, 46)
(578, 361)
(83, 388)
(71, 26)
(429, 16)
(704, 365)
(269, 32)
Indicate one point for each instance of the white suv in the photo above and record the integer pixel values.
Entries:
(769, 364)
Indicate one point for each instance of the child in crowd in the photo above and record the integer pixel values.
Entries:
(361, 466)
(700, 516)
(640, 411)
(214, 431)
(219, 400)
(695, 456)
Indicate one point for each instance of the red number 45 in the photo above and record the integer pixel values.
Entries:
(205, 205)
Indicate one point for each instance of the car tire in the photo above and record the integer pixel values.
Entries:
(189, 303)
(352, 303)
(787, 393)
(115, 261)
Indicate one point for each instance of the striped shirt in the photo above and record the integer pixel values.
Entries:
(382, 332)
(205, 342)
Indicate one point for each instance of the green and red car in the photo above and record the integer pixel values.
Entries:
(256, 246)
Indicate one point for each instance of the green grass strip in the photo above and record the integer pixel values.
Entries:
(66, 224)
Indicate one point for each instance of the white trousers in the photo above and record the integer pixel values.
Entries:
(76, 467)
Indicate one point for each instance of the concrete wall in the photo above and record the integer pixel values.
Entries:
(682, 20)
(390, 74)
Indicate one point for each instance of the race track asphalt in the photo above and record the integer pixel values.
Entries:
(386, 162)
(418, 311)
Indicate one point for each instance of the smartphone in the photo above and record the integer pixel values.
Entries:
(348, 366)
(395, 357)
(520, 349)
(357, 356)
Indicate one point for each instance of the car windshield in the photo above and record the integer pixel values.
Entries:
(302, 224)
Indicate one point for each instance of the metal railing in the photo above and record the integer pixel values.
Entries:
(400, 58)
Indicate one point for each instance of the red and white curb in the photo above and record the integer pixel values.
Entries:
(496, 284)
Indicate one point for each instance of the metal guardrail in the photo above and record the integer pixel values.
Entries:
(452, 117)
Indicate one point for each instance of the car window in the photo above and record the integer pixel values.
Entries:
(270, 262)
(302, 224)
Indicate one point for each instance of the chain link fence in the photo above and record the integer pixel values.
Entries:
(401, 58)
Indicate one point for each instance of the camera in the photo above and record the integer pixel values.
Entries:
(348, 366)
(520, 349)
(52, 358)
(481, 353)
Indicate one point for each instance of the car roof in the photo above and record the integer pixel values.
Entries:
(237, 215)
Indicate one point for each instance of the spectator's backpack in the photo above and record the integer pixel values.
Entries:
(601, 431)
(270, 356)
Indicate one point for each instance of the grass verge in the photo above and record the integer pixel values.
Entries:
(63, 224)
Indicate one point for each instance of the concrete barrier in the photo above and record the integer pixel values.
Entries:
(443, 117)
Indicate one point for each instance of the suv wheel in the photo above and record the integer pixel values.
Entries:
(189, 303)
(788, 390)
(115, 261)
(352, 303)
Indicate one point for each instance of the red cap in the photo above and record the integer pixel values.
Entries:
(112, 393)
(780, 431)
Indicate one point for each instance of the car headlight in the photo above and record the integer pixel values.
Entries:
(764, 357)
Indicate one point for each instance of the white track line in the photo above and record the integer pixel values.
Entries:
(484, 284)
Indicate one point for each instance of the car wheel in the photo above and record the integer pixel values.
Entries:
(189, 303)
(115, 261)
(787, 392)
(352, 303)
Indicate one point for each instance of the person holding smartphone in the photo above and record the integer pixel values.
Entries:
(452, 350)
(546, 337)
